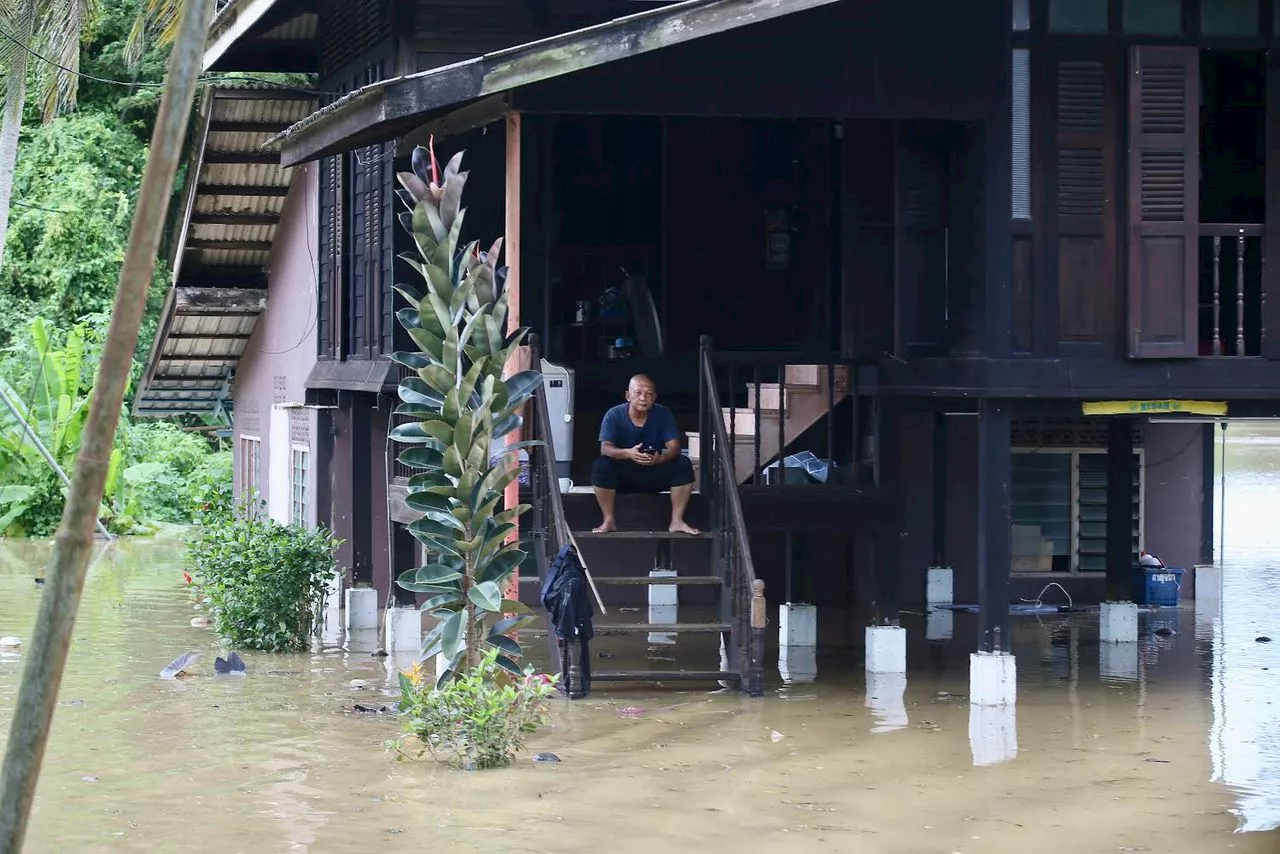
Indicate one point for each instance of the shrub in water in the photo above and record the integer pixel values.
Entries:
(478, 719)
(261, 583)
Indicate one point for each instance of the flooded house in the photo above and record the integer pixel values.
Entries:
(947, 297)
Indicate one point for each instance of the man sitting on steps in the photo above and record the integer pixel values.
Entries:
(640, 453)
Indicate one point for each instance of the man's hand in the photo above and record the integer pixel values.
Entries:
(639, 457)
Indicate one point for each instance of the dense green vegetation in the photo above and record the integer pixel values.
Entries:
(75, 185)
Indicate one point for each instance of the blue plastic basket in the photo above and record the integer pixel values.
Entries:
(1157, 586)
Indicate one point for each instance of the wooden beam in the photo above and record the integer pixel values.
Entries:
(385, 110)
(186, 378)
(238, 190)
(459, 121)
(511, 288)
(230, 245)
(230, 302)
(246, 127)
(197, 336)
(235, 219)
(241, 158)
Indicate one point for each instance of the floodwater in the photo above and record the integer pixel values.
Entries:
(1172, 747)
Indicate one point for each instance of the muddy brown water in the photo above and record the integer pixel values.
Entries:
(1176, 749)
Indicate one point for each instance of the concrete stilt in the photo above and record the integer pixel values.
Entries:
(404, 630)
(993, 734)
(1118, 623)
(797, 664)
(886, 649)
(938, 587)
(362, 608)
(663, 605)
(940, 624)
(798, 642)
(993, 679)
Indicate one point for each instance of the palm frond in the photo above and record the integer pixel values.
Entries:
(60, 34)
(157, 22)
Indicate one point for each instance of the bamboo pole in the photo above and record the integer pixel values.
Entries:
(51, 637)
(44, 452)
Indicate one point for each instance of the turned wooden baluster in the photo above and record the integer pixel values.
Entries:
(1240, 293)
(1217, 294)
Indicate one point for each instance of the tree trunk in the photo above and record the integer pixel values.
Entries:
(14, 100)
(51, 637)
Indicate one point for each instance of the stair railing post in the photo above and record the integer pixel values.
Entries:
(759, 620)
(704, 438)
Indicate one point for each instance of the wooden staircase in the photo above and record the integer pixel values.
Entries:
(806, 394)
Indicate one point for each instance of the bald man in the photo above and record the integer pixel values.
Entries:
(640, 453)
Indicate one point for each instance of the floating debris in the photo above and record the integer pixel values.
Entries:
(1165, 632)
(10, 642)
(776, 736)
(378, 653)
(369, 710)
(545, 757)
(604, 655)
(89, 778)
(178, 666)
(630, 711)
(233, 663)
(200, 622)
(38, 580)
(1260, 639)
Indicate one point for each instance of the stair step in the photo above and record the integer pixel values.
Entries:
(666, 676)
(646, 628)
(645, 580)
(640, 535)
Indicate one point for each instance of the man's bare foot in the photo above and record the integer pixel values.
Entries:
(683, 527)
(605, 527)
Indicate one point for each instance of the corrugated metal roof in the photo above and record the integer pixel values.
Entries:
(219, 278)
(302, 28)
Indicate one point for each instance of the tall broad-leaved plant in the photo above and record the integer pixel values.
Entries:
(461, 405)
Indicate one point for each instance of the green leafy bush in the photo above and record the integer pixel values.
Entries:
(480, 718)
(261, 583)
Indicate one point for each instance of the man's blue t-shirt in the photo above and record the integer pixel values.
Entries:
(659, 428)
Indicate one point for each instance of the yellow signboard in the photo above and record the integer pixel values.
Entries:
(1156, 407)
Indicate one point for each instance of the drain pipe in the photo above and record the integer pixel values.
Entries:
(44, 452)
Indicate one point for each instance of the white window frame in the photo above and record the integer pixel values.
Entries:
(250, 465)
(299, 492)
(1075, 454)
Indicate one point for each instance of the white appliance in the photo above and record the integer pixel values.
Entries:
(559, 381)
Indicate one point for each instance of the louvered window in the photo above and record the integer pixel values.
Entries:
(1080, 173)
(1022, 134)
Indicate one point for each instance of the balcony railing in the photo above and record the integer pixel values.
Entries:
(1232, 301)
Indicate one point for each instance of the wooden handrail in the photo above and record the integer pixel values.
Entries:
(720, 441)
(1231, 229)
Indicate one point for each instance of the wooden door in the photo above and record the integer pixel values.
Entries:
(1164, 201)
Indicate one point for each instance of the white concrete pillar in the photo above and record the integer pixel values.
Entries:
(940, 624)
(798, 626)
(886, 649)
(993, 679)
(362, 608)
(279, 494)
(938, 588)
(404, 630)
(664, 604)
(363, 640)
(993, 734)
(1118, 623)
(886, 694)
(1118, 662)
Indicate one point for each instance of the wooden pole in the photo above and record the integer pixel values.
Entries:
(519, 360)
(51, 637)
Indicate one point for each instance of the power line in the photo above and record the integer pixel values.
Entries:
(130, 84)
(38, 207)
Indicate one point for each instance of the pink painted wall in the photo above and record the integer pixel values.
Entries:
(282, 350)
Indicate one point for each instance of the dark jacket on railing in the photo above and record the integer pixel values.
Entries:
(565, 596)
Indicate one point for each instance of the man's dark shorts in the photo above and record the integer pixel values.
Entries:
(628, 477)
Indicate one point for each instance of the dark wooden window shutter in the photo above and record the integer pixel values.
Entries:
(1083, 203)
(329, 287)
(1271, 232)
(1164, 201)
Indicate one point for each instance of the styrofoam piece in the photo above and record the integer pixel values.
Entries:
(797, 664)
(798, 625)
(362, 608)
(1118, 622)
(940, 624)
(993, 679)
(1118, 662)
(404, 630)
(661, 595)
(886, 694)
(939, 588)
(886, 649)
(993, 734)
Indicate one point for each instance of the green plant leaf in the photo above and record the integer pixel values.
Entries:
(508, 645)
(511, 606)
(444, 600)
(435, 573)
(507, 625)
(486, 596)
(452, 637)
(410, 434)
(424, 501)
(411, 360)
(500, 565)
(510, 666)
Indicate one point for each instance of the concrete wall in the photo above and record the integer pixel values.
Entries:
(282, 351)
